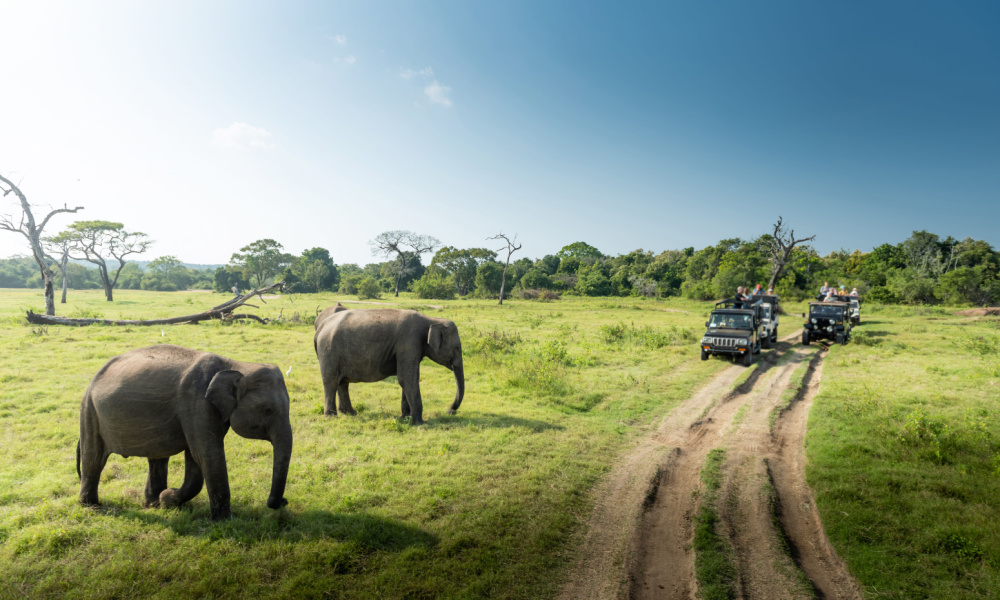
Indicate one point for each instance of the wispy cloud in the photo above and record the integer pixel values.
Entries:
(410, 73)
(340, 39)
(438, 94)
(347, 60)
(241, 136)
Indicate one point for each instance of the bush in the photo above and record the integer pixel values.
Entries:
(882, 295)
(543, 295)
(349, 284)
(536, 279)
(434, 285)
(369, 289)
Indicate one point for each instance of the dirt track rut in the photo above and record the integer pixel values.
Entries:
(638, 544)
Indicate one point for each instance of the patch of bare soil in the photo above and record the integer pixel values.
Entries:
(638, 541)
(992, 311)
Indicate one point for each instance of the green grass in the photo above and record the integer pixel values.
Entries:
(713, 563)
(483, 504)
(904, 453)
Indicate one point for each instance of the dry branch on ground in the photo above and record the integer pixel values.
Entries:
(222, 312)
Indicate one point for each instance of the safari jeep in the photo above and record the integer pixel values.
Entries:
(769, 318)
(735, 332)
(855, 310)
(827, 321)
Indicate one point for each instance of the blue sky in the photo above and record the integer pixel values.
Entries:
(626, 125)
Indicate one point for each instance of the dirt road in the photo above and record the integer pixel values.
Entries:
(639, 538)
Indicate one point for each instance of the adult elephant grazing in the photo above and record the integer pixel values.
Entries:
(159, 401)
(355, 346)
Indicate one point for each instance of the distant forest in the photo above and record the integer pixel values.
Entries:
(923, 269)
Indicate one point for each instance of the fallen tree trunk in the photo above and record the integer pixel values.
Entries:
(222, 312)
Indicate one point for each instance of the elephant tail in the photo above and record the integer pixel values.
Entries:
(78, 460)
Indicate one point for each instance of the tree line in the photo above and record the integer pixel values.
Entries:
(922, 269)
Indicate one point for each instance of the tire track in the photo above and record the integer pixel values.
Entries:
(638, 541)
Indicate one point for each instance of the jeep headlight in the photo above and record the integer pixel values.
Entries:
(706, 340)
(829, 328)
(813, 321)
(742, 341)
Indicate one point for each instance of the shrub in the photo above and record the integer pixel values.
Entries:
(369, 289)
(434, 285)
(543, 295)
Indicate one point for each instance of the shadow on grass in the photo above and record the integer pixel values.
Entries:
(491, 420)
(446, 421)
(252, 526)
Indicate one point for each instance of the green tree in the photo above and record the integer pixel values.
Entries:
(97, 241)
(462, 264)
(581, 251)
(260, 261)
(314, 270)
(227, 278)
(536, 279)
(593, 281)
(368, 289)
(488, 279)
(435, 284)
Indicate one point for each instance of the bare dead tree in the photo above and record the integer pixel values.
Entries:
(30, 229)
(780, 247)
(222, 312)
(511, 247)
(401, 243)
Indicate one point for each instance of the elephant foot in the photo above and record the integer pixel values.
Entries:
(168, 498)
(276, 504)
(152, 503)
(329, 413)
(348, 411)
(417, 422)
(452, 411)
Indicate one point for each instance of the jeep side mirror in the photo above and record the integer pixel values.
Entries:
(706, 323)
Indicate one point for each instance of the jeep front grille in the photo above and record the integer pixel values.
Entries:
(722, 342)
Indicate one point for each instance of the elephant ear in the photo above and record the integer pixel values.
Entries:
(434, 335)
(222, 392)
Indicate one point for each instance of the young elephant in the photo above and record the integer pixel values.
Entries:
(163, 400)
(356, 346)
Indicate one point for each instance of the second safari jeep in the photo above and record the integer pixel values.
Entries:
(829, 321)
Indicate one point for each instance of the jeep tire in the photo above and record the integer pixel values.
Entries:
(805, 338)
(841, 339)
(704, 354)
(767, 342)
(748, 358)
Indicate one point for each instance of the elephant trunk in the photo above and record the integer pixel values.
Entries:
(282, 444)
(460, 384)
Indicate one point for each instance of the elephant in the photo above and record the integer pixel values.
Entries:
(358, 345)
(159, 401)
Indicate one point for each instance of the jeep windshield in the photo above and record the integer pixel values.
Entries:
(765, 312)
(730, 321)
(826, 311)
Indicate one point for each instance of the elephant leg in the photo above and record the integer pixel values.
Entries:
(93, 457)
(156, 481)
(404, 406)
(331, 382)
(213, 466)
(345, 399)
(409, 379)
(193, 481)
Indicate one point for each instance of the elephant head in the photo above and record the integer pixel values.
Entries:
(256, 405)
(445, 348)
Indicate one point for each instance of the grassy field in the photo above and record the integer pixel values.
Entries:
(904, 452)
(484, 504)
